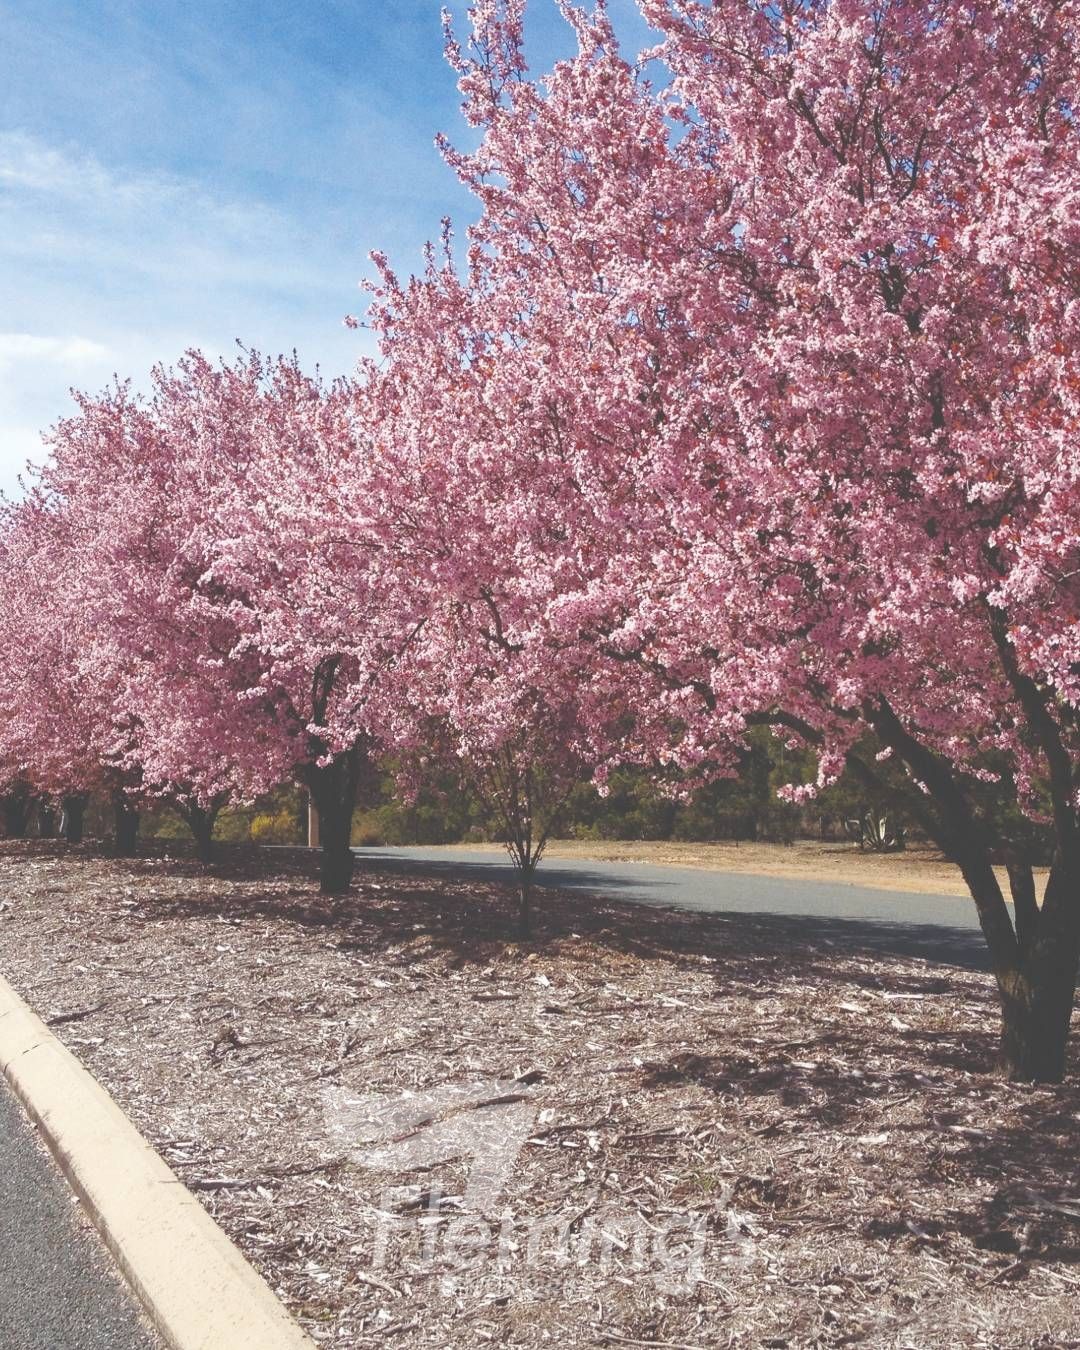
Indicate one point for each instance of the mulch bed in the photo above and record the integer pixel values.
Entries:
(730, 1133)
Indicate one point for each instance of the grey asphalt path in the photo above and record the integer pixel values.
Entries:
(59, 1289)
(936, 927)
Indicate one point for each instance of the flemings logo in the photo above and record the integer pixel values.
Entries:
(466, 1238)
(485, 1123)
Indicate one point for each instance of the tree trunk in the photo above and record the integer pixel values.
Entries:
(46, 819)
(1034, 952)
(17, 806)
(1036, 1010)
(202, 828)
(74, 816)
(525, 905)
(126, 832)
(1034, 957)
(201, 821)
(1037, 997)
(333, 790)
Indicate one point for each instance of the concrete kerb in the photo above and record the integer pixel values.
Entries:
(196, 1287)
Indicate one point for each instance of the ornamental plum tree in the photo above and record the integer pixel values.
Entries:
(785, 359)
(477, 514)
(235, 588)
(59, 727)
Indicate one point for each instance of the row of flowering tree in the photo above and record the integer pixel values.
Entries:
(753, 402)
(229, 585)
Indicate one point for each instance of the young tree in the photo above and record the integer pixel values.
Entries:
(515, 715)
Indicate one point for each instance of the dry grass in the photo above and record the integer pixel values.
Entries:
(828, 1116)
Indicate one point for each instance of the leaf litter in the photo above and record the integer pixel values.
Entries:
(741, 1135)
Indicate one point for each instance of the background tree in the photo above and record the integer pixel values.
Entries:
(61, 727)
(235, 589)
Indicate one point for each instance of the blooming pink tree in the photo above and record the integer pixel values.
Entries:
(243, 596)
(196, 602)
(477, 514)
(60, 730)
(782, 364)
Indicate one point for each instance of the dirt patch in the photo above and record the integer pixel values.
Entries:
(718, 1132)
(917, 869)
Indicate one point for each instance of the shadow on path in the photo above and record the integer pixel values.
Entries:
(955, 943)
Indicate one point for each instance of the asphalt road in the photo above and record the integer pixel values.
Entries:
(59, 1289)
(936, 927)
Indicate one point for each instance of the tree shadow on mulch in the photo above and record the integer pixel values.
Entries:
(470, 916)
(1008, 1152)
(1003, 1159)
(418, 910)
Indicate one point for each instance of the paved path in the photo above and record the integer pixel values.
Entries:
(939, 927)
(59, 1289)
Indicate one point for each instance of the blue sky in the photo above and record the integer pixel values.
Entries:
(185, 174)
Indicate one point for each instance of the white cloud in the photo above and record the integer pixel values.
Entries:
(29, 166)
(75, 352)
(157, 226)
(25, 164)
(107, 270)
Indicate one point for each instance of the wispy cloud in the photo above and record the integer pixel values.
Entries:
(104, 270)
(156, 224)
(28, 165)
(72, 352)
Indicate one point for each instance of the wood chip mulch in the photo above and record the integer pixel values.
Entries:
(729, 1132)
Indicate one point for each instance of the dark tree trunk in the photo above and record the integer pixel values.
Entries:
(202, 829)
(1037, 997)
(1036, 1010)
(525, 886)
(74, 816)
(126, 831)
(201, 821)
(1034, 951)
(1036, 982)
(17, 806)
(46, 819)
(333, 789)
